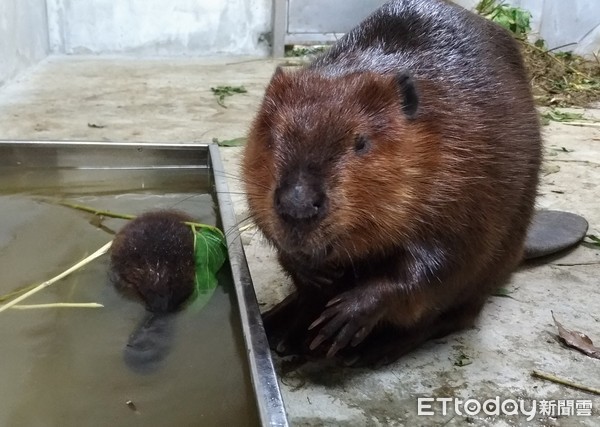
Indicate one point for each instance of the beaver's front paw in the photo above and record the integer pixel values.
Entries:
(279, 326)
(286, 324)
(347, 320)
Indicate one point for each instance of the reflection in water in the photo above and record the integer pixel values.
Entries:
(150, 343)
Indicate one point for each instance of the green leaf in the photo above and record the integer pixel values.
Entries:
(523, 21)
(504, 21)
(514, 19)
(462, 360)
(485, 7)
(210, 253)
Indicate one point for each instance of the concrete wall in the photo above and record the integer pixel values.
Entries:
(30, 28)
(160, 27)
(23, 35)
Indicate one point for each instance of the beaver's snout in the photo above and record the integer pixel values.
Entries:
(301, 199)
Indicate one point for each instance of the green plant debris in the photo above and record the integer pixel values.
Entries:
(95, 126)
(462, 360)
(514, 19)
(565, 382)
(221, 92)
(563, 150)
(210, 253)
(592, 240)
(235, 142)
(55, 279)
(555, 115)
(16, 293)
(503, 292)
(559, 79)
(109, 214)
(97, 212)
(297, 51)
(58, 305)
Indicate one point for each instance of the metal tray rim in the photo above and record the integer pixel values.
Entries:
(73, 143)
(271, 408)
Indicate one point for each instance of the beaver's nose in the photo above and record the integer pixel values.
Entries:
(300, 198)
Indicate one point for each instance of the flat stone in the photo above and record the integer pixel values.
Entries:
(553, 231)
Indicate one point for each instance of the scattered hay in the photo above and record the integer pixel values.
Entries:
(558, 79)
(561, 79)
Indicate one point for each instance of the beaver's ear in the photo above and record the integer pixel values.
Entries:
(278, 81)
(278, 75)
(408, 90)
(275, 90)
(278, 71)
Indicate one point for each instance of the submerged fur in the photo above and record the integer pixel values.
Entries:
(152, 258)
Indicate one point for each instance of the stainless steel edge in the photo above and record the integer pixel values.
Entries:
(270, 407)
(68, 143)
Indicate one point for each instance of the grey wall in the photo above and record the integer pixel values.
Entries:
(160, 27)
(29, 29)
(23, 35)
(565, 22)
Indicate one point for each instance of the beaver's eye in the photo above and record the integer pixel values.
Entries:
(361, 144)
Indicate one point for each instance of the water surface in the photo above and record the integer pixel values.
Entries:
(66, 366)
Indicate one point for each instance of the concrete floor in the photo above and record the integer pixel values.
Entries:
(169, 100)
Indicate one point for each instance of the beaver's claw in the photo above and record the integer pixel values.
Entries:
(347, 320)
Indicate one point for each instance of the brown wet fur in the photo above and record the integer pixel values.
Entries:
(416, 229)
(152, 259)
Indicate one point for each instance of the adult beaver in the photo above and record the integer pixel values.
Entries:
(396, 177)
